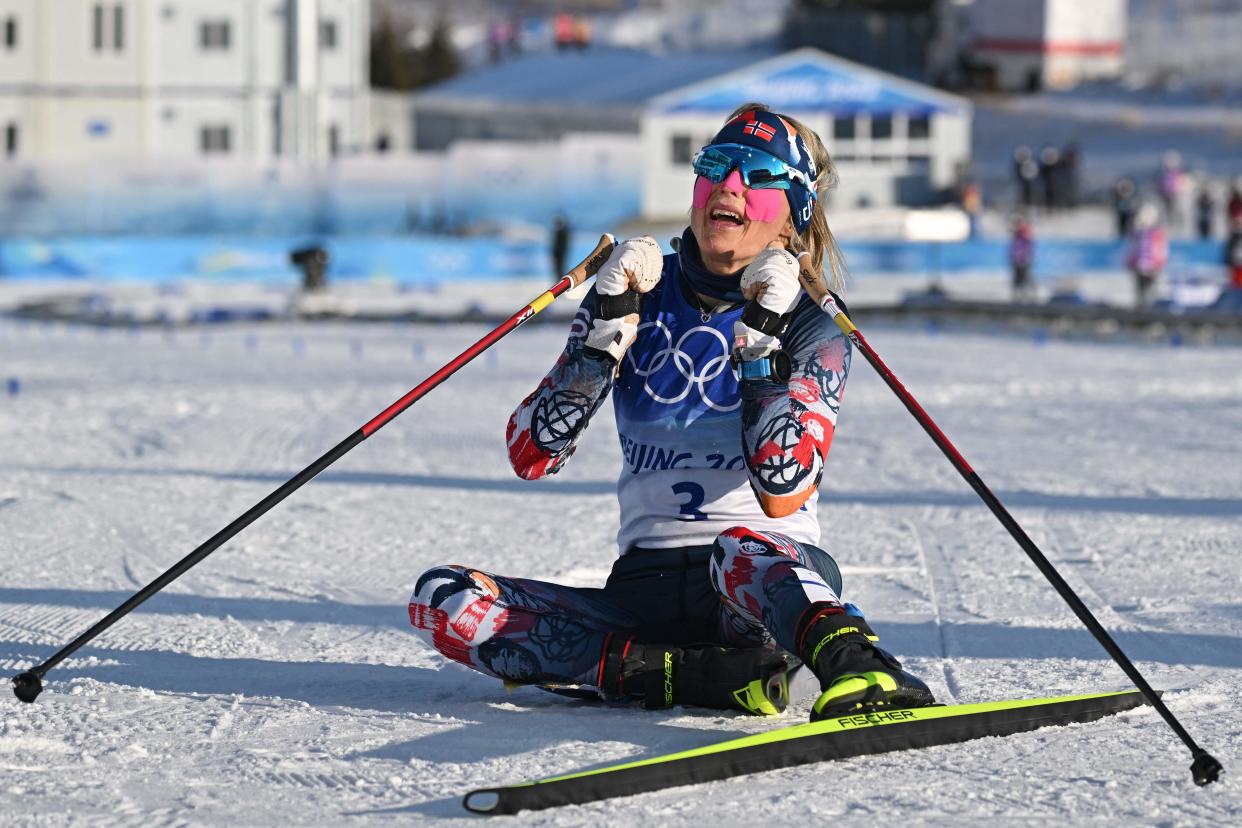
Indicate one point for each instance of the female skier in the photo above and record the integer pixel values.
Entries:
(726, 384)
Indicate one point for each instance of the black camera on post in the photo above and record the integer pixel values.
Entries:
(313, 262)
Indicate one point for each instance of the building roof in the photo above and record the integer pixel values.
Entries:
(599, 76)
(605, 78)
(809, 80)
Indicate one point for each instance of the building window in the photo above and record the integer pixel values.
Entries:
(10, 32)
(10, 140)
(843, 129)
(681, 149)
(882, 127)
(919, 127)
(327, 35)
(215, 140)
(100, 39)
(214, 35)
(334, 141)
(97, 27)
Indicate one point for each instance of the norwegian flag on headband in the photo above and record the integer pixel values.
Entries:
(759, 130)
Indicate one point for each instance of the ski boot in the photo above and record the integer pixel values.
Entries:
(754, 680)
(854, 674)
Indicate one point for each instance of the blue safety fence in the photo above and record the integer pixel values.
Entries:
(437, 259)
(400, 260)
(1053, 257)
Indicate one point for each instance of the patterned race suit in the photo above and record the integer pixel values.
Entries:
(718, 513)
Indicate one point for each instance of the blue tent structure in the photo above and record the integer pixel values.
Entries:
(894, 141)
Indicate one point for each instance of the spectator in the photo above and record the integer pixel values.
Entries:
(1071, 158)
(1049, 176)
(516, 28)
(1233, 208)
(1170, 183)
(972, 205)
(1021, 258)
(1147, 253)
(1205, 206)
(582, 33)
(1125, 205)
(313, 262)
(1233, 255)
(563, 30)
(560, 245)
(499, 36)
(1025, 171)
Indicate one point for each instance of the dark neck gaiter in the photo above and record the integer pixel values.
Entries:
(724, 288)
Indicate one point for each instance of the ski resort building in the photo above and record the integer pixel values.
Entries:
(183, 79)
(894, 141)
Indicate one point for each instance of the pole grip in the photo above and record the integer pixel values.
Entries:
(589, 266)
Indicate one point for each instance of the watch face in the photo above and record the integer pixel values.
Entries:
(782, 366)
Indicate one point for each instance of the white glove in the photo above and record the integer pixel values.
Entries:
(771, 284)
(613, 336)
(634, 266)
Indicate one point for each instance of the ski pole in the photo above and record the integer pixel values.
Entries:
(28, 685)
(1204, 768)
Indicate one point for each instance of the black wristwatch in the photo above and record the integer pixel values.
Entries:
(775, 367)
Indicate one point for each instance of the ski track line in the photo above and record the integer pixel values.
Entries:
(139, 549)
(1078, 572)
(941, 582)
(128, 539)
(45, 623)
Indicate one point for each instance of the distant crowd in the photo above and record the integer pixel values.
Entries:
(1144, 215)
(1049, 178)
(569, 31)
(1171, 186)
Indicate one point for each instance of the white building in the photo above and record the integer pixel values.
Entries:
(1037, 44)
(1207, 33)
(255, 80)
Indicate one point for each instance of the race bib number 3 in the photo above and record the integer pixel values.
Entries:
(694, 496)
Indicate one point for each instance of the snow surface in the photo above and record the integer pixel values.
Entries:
(277, 682)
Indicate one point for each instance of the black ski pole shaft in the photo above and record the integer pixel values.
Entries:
(1204, 767)
(28, 685)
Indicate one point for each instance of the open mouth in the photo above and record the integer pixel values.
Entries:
(726, 216)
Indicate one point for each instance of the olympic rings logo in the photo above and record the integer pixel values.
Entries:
(683, 362)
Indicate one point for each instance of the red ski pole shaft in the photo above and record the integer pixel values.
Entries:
(28, 685)
(1204, 767)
